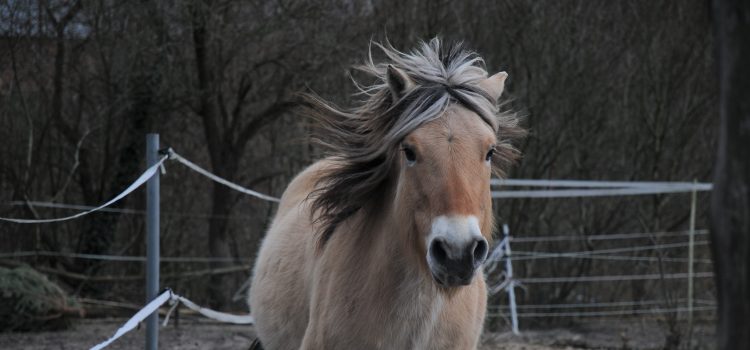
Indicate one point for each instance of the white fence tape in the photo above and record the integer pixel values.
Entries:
(138, 182)
(607, 313)
(599, 305)
(125, 211)
(583, 188)
(613, 258)
(605, 237)
(174, 299)
(125, 258)
(212, 314)
(136, 319)
(225, 182)
(688, 186)
(655, 276)
(634, 191)
(78, 207)
(537, 254)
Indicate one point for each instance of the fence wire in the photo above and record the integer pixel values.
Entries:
(608, 313)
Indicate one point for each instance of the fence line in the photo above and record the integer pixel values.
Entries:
(145, 176)
(635, 191)
(141, 180)
(598, 305)
(600, 254)
(526, 255)
(123, 278)
(688, 186)
(613, 258)
(216, 178)
(125, 211)
(604, 237)
(573, 188)
(174, 300)
(79, 207)
(607, 313)
(534, 254)
(613, 278)
(123, 258)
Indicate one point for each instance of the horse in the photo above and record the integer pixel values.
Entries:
(380, 244)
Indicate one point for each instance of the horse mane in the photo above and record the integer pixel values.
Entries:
(362, 141)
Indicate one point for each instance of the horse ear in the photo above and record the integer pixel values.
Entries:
(398, 81)
(494, 85)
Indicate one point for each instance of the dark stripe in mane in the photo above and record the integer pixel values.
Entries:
(469, 104)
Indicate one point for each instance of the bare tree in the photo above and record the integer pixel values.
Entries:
(237, 99)
(610, 90)
(730, 209)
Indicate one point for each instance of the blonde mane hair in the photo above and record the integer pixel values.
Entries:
(363, 140)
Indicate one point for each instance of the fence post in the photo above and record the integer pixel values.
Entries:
(152, 241)
(512, 284)
(691, 254)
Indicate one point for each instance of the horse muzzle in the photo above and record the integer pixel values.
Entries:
(456, 249)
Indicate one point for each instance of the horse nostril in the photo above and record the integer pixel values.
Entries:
(479, 252)
(438, 252)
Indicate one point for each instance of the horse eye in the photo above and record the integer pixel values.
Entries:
(489, 155)
(411, 157)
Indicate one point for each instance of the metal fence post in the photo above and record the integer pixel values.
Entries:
(152, 241)
(691, 255)
(511, 285)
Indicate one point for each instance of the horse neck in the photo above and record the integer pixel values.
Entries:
(395, 253)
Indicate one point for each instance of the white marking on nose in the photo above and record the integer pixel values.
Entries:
(455, 231)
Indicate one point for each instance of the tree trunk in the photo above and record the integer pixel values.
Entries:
(220, 289)
(100, 233)
(730, 202)
(224, 161)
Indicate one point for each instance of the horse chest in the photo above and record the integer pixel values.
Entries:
(380, 303)
(411, 320)
(428, 316)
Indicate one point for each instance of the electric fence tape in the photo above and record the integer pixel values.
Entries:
(585, 188)
(169, 297)
(173, 155)
(137, 183)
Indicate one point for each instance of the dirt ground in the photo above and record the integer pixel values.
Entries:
(193, 334)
